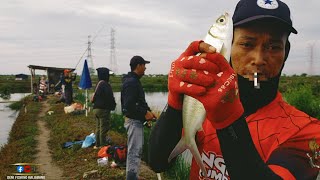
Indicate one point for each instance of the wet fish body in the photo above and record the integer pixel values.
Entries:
(193, 112)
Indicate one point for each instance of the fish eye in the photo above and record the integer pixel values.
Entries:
(221, 20)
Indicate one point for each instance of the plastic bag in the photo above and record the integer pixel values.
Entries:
(102, 161)
(89, 140)
(103, 152)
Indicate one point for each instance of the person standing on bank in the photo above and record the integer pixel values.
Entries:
(67, 80)
(103, 102)
(136, 111)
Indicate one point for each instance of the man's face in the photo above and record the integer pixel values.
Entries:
(260, 48)
(141, 68)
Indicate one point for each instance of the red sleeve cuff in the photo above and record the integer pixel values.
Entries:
(231, 119)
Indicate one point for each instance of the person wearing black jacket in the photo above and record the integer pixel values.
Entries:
(249, 132)
(67, 81)
(136, 111)
(103, 102)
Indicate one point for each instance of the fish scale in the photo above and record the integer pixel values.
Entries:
(193, 112)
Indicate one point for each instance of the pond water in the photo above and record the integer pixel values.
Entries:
(8, 116)
(156, 101)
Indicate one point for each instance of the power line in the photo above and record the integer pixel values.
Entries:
(90, 45)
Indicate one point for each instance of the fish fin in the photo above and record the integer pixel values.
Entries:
(180, 147)
(195, 152)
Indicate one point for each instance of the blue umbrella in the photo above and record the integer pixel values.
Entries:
(85, 82)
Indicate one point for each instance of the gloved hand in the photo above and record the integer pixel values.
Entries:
(215, 86)
(183, 79)
(222, 101)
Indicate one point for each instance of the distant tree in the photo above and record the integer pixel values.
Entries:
(304, 75)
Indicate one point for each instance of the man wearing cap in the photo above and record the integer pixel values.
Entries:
(255, 134)
(136, 111)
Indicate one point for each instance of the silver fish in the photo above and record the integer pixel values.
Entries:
(193, 112)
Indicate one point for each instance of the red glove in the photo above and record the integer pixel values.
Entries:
(215, 85)
(184, 79)
(222, 101)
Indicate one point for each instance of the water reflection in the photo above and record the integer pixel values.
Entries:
(8, 116)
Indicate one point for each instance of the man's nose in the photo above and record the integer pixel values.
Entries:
(259, 57)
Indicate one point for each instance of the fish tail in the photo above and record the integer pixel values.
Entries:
(180, 147)
(197, 157)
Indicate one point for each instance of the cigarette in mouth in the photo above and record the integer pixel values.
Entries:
(255, 80)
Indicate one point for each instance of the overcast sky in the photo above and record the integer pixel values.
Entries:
(55, 32)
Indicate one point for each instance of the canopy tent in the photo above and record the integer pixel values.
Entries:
(53, 75)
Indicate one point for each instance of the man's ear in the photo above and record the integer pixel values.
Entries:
(287, 50)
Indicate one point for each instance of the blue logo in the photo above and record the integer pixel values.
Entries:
(268, 4)
(20, 169)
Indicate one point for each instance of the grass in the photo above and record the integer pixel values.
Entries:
(76, 160)
(64, 127)
(179, 170)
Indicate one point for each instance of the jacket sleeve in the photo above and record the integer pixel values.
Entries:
(288, 163)
(292, 156)
(244, 162)
(163, 138)
(111, 103)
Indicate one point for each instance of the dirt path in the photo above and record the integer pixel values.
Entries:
(50, 170)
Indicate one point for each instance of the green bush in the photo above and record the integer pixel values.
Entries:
(5, 91)
(303, 99)
(16, 105)
(117, 122)
(80, 97)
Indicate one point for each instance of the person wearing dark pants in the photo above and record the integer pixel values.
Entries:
(67, 80)
(102, 117)
(136, 111)
(104, 102)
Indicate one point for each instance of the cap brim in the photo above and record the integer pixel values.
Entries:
(290, 28)
(146, 62)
